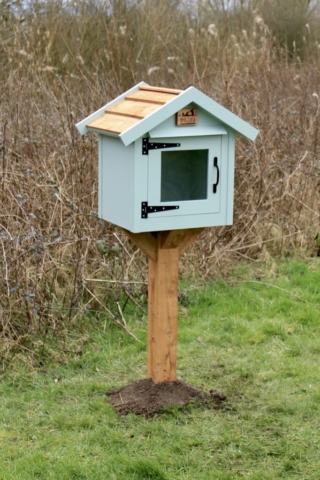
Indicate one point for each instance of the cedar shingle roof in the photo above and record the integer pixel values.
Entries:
(143, 108)
(136, 106)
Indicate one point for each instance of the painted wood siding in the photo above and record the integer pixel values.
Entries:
(116, 185)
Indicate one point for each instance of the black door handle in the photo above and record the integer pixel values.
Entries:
(215, 164)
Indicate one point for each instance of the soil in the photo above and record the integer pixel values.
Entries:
(146, 398)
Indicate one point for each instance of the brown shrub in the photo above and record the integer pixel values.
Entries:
(59, 262)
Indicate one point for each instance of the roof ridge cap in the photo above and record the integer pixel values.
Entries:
(149, 88)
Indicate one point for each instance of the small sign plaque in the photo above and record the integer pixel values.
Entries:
(187, 116)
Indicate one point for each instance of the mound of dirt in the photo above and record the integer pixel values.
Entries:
(146, 398)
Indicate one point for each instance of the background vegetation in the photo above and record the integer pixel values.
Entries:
(61, 60)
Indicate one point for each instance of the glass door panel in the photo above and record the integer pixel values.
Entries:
(184, 176)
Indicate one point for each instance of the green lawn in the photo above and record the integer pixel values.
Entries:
(254, 337)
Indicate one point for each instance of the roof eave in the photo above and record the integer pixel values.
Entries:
(170, 108)
(82, 125)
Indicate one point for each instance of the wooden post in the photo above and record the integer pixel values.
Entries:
(163, 314)
(163, 250)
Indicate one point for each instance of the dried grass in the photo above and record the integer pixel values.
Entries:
(58, 261)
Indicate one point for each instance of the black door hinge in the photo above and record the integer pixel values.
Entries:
(146, 145)
(145, 209)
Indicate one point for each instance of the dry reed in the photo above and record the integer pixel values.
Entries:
(59, 263)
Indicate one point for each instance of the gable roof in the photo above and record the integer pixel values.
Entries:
(142, 108)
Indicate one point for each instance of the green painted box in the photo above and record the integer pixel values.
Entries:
(166, 159)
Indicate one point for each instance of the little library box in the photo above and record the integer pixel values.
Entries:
(166, 171)
(166, 159)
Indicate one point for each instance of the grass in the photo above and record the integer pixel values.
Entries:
(254, 337)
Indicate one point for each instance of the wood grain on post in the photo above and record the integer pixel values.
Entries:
(163, 315)
(163, 250)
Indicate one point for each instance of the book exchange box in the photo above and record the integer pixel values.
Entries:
(166, 159)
